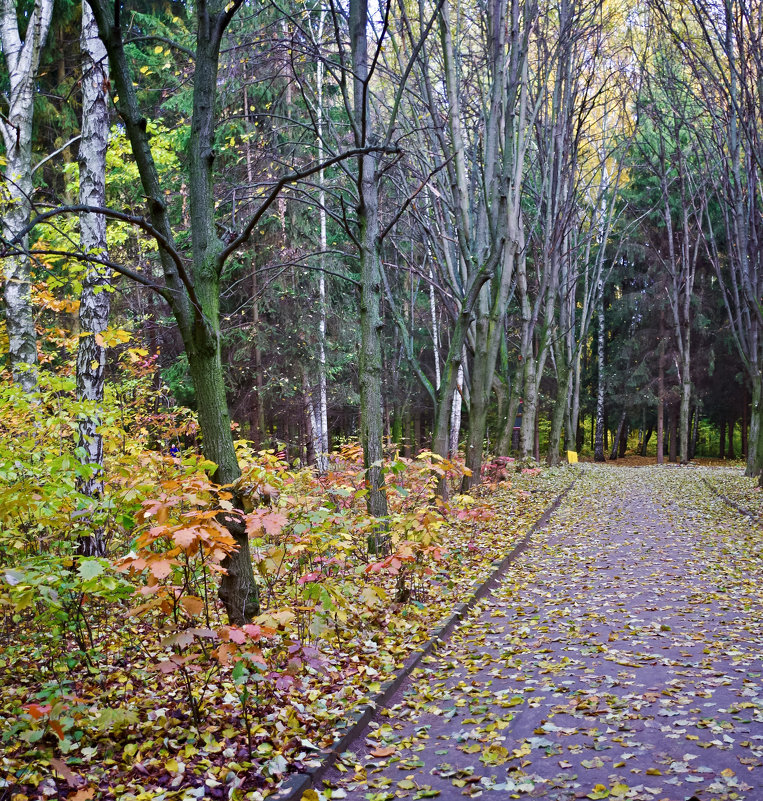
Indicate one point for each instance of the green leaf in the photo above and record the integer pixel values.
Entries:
(90, 568)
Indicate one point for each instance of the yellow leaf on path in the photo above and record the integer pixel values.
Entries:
(653, 772)
(310, 795)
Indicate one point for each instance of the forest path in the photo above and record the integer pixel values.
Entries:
(619, 658)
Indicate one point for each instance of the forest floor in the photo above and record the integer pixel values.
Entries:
(619, 658)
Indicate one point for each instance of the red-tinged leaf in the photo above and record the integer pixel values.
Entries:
(168, 666)
(274, 522)
(37, 711)
(254, 521)
(185, 537)
(139, 610)
(308, 577)
(131, 564)
(56, 726)
(160, 568)
(233, 634)
(181, 638)
(237, 636)
(255, 631)
(255, 655)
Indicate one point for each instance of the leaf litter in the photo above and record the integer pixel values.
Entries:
(620, 658)
(124, 730)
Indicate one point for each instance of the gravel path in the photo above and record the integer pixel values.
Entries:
(620, 658)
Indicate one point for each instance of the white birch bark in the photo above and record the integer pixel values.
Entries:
(22, 58)
(436, 344)
(95, 298)
(455, 412)
(321, 417)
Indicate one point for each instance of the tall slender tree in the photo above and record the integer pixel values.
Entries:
(95, 297)
(22, 59)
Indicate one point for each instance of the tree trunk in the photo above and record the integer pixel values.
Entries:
(661, 395)
(673, 422)
(598, 452)
(22, 59)
(745, 423)
(755, 440)
(258, 408)
(645, 443)
(455, 416)
(95, 298)
(616, 438)
(694, 434)
(529, 401)
(623, 442)
(564, 379)
(314, 443)
(685, 408)
(321, 456)
(370, 363)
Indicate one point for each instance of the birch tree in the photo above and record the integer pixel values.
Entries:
(95, 296)
(22, 59)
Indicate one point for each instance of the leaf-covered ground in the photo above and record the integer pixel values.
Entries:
(737, 488)
(122, 727)
(620, 658)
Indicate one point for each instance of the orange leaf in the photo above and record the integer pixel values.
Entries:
(37, 711)
(82, 795)
(224, 652)
(192, 604)
(383, 751)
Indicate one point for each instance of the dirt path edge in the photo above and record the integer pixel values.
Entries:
(296, 784)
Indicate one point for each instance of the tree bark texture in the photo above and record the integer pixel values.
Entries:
(598, 451)
(95, 299)
(371, 402)
(22, 59)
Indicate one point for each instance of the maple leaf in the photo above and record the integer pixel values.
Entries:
(161, 568)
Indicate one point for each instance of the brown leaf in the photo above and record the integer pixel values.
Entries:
(72, 779)
(192, 604)
(84, 794)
